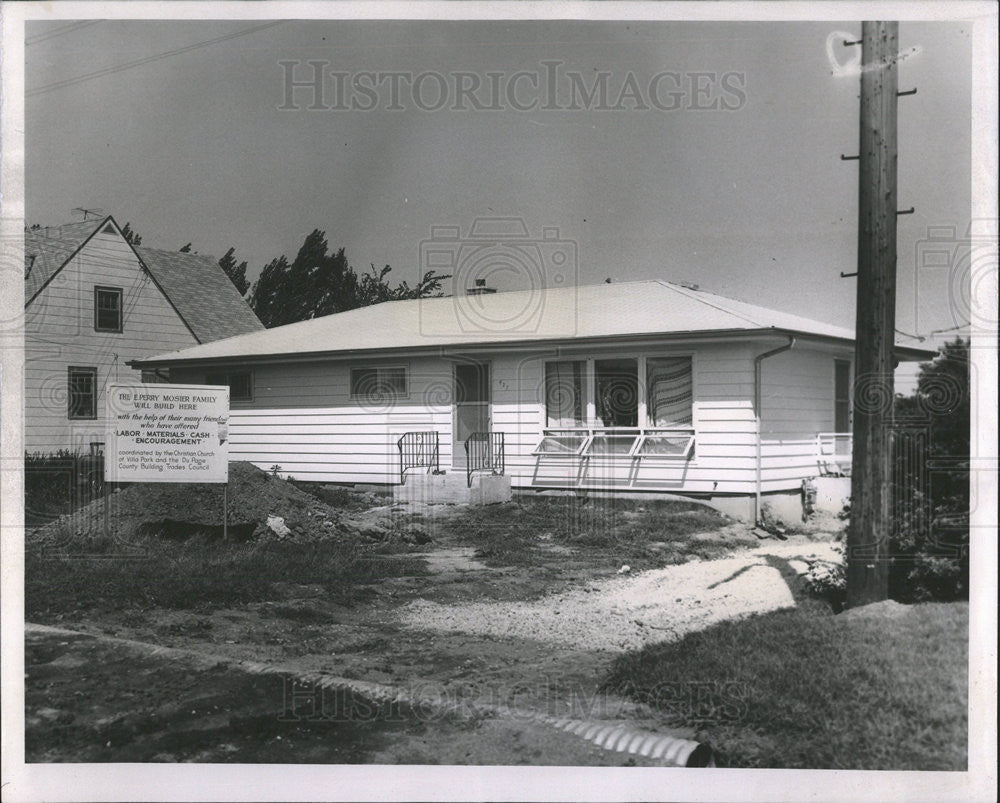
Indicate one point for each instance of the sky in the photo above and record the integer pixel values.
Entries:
(730, 177)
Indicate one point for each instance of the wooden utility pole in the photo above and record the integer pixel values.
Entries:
(871, 473)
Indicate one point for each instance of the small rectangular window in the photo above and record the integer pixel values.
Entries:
(562, 442)
(841, 396)
(154, 377)
(664, 444)
(381, 382)
(612, 444)
(107, 309)
(82, 393)
(240, 383)
(240, 386)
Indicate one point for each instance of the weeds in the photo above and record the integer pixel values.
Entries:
(195, 574)
(642, 533)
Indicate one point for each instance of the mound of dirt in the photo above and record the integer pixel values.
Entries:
(886, 609)
(184, 509)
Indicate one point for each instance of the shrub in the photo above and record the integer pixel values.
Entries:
(60, 483)
(828, 579)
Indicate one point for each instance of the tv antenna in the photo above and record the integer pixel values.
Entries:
(88, 212)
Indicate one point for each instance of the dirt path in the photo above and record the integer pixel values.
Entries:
(94, 699)
(627, 612)
(491, 643)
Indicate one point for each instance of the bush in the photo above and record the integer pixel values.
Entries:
(930, 553)
(60, 483)
(929, 544)
(828, 579)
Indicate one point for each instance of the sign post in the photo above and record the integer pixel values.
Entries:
(169, 433)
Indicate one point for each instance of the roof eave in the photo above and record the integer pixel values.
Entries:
(513, 345)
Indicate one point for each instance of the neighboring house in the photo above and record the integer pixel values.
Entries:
(642, 386)
(92, 304)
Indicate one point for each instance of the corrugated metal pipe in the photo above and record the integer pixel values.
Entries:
(756, 411)
(668, 750)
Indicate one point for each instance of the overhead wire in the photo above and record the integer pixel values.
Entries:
(128, 65)
(76, 26)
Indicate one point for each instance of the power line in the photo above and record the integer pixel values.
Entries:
(950, 329)
(147, 60)
(76, 26)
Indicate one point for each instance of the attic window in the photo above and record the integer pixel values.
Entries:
(109, 229)
(107, 309)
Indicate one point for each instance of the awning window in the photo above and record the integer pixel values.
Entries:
(562, 442)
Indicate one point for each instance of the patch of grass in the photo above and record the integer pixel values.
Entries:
(196, 574)
(641, 533)
(792, 689)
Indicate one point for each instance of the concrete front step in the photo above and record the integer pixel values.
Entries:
(452, 488)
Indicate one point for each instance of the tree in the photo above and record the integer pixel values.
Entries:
(130, 236)
(269, 291)
(318, 283)
(237, 273)
(186, 249)
(930, 540)
(943, 392)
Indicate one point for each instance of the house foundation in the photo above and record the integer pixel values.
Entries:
(453, 489)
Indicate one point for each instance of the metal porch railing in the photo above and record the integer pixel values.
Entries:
(833, 453)
(484, 451)
(418, 450)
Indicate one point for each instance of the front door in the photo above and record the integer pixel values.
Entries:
(472, 406)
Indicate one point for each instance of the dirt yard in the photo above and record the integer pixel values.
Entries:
(491, 619)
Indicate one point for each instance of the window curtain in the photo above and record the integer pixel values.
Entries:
(670, 391)
(563, 394)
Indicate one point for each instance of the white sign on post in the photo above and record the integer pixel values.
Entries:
(167, 433)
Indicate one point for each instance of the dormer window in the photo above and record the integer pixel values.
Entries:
(107, 309)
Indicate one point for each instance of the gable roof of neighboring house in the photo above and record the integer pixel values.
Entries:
(46, 250)
(196, 287)
(202, 293)
(601, 313)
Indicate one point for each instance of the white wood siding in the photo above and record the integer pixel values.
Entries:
(796, 403)
(59, 332)
(303, 419)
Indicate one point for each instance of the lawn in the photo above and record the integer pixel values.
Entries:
(197, 573)
(794, 689)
